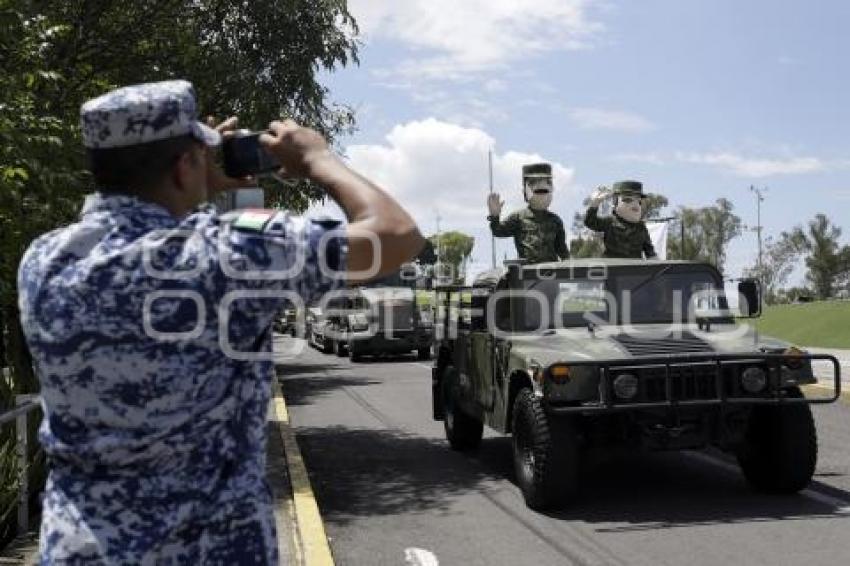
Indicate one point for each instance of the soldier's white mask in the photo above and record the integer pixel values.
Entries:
(629, 208)
(538, 193)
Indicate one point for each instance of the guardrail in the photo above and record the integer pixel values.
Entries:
(24, 405)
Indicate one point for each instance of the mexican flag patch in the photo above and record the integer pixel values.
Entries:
(254, 220)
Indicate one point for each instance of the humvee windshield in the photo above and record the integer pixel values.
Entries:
(664, 295)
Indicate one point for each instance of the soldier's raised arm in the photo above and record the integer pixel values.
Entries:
(380, 233)
(591, 217)
(494, 211)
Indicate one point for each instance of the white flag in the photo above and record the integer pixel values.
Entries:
(658, 235)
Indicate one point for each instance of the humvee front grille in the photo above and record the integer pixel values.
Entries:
(686, 343)
(687, 383)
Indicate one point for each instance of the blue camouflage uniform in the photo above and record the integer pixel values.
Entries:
(151, 338)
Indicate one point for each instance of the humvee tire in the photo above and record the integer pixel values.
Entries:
(545, 454)
(423, 353)
(355, 354)
(340, 348)
(780, 448)
(463, 431)
(327, 345)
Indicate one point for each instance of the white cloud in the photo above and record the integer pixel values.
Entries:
(651, 158)
(433, 166)
(600, 119)
(748, 167)
(452, 38)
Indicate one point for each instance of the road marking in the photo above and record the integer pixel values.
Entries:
(842, 507)
(420, 557)
(311, 541)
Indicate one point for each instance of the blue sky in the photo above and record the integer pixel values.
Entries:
(699, 100)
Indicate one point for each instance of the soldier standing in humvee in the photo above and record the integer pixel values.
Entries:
(537, 232)
(624, 232)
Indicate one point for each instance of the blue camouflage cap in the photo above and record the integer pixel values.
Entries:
(143, 113)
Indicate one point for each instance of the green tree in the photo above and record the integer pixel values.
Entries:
(827, 261)
(707, 233)
(779, 257)
(453, 248)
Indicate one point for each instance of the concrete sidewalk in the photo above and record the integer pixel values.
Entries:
(843, 357)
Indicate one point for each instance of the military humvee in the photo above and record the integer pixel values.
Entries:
(602, 352)
(383, 317)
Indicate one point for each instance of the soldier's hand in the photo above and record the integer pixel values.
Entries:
(494, 204)
(299, 149)
(216, 179)
(599, 195)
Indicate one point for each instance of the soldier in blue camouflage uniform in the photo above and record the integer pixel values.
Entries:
(148, 321)
(538, 233)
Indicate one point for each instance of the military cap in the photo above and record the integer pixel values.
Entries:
(143, 113)
(628, 187)
(536, 170)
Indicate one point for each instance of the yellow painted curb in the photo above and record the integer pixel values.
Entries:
(845, 395)
(311, 542)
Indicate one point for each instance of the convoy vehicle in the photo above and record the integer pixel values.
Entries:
(384, 317)
(287, 321)
(596, 353)
(316, 329)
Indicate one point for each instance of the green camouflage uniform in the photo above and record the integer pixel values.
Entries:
(538, 234)
(622, 238)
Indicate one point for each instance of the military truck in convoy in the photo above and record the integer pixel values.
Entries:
(385, 317)
(595, 353)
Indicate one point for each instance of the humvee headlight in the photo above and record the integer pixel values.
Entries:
(626, 386)
(793, 358)
(560, 374)
(753, 379)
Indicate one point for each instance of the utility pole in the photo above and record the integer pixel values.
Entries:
(759, 199)
(439, 265)
(492, 237)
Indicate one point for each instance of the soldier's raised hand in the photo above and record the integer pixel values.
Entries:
(600, 194)
(494, 204)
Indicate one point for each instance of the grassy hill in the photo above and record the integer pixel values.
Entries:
(824, 324)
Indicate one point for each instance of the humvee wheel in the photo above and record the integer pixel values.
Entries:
(423, 353)
(780, 448)
(545, 454)
(340, 348)
(327, 345)
(354, 354)
(463, 431)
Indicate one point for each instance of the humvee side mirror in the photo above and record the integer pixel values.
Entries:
(749, 301)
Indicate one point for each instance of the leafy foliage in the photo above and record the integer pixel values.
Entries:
(453, 249)
(779, 257)
(707, 233)
(827, 261)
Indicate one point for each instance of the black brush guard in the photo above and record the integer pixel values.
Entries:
(672, 371)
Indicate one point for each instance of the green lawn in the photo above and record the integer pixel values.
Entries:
(824, 324)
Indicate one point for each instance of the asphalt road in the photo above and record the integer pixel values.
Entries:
(387, 484)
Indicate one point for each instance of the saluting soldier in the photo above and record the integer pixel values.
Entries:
(538, 233)
(624, 233)
(149, 324)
